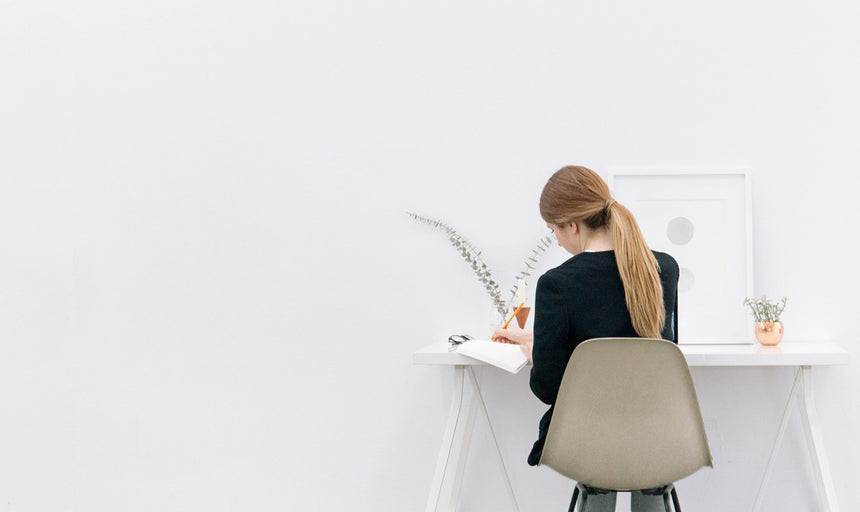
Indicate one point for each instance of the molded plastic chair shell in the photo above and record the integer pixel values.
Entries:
(627, 416)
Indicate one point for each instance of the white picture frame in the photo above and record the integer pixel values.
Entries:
(703, 218)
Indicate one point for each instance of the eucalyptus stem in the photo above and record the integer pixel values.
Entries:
(472, 256)
(531, 260)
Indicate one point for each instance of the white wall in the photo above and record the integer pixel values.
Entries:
(210, 294)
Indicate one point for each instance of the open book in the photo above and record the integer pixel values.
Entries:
(506, 356)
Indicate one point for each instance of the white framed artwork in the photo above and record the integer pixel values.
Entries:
(703, 218)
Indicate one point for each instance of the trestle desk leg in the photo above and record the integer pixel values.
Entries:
(477, 390)
(824, 483)
(781, 433)
(463, 456)
(447, 440)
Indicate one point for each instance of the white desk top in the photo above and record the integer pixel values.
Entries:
(787, 353)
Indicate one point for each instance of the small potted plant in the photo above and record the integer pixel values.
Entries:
(768, 328)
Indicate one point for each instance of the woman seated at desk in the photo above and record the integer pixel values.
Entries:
(613, 286)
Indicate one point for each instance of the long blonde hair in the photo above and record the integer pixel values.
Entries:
(578, 194)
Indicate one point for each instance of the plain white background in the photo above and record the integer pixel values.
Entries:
(210, 293)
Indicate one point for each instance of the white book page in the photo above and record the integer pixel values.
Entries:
(506, 356)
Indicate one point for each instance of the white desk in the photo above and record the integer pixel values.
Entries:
(801, 355)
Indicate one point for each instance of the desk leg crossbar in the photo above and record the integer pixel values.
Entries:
(802, 391)
(449, 439)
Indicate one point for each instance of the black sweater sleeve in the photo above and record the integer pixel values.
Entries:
(552, 344)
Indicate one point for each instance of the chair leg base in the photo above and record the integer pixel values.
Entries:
(668, 493)
(572, 507)
(675, 501)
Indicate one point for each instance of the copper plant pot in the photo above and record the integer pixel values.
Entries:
(768, 333)
(522, 316)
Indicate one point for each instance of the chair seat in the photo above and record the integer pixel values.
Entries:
(627, 418)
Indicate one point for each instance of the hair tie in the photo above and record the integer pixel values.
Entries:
(609, 204)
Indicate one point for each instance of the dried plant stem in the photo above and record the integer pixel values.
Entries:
(531, 260)
(472, 257)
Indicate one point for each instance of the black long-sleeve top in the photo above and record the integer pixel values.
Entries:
(583, 298)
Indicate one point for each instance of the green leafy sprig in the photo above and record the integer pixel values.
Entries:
(764, 310)
(473, 257)
(537, 253)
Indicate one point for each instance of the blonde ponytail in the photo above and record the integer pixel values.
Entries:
(639, 271)
(578, 194)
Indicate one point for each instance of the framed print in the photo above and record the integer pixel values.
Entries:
(702, 218)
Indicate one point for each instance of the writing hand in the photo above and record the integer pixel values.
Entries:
(513, 334)
(527, 350)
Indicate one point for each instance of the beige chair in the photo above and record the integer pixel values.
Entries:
(626, 418)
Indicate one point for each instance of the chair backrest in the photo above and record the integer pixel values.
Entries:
(627, 416)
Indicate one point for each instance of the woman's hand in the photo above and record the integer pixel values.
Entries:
(527, 350)
(513, 334)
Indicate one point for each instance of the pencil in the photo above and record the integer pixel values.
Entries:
(512, 317)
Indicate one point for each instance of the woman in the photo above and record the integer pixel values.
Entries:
(613, 286)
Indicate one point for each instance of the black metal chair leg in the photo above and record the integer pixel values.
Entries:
(584, 500)
(666, 501)
(573, 500)
(675, 500)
